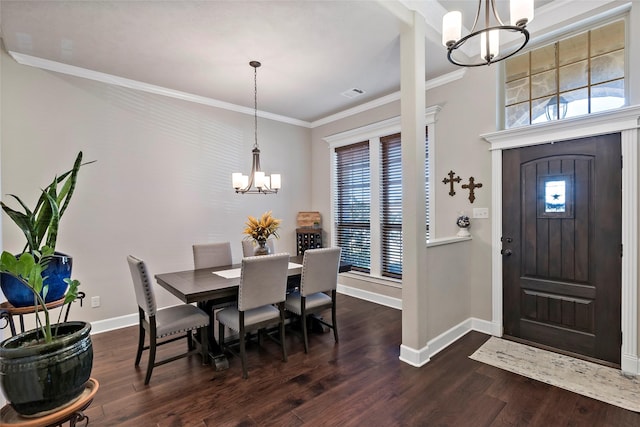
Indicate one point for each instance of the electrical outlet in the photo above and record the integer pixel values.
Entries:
(481, 212)
(95, 301)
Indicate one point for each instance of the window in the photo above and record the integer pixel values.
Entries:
(579, 75)
(391, 206)
(367, 196)
(353, 205)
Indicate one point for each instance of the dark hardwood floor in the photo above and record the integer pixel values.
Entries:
(357, 382)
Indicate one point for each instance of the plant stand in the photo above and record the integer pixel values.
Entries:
(71, 413)
(7, 311)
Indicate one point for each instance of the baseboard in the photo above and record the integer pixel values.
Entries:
(416, 358)
(370, 296)
(486, 327)
(419, 357)
(630, 365)
(113, 323)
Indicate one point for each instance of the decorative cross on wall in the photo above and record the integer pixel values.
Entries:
(471, 186)
(450, 181)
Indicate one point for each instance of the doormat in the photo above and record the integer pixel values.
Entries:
(579, 376)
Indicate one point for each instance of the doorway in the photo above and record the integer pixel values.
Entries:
(561, 245)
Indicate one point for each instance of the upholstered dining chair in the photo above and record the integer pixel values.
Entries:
(210, 255)
(263, 283)
(319, 275)
(176, 322)
(248, 247)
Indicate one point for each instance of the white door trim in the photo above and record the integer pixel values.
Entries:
(626, 121)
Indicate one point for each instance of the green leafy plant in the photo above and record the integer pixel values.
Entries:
(41, 225)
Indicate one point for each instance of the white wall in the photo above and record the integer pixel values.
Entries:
(459, 148)
(162, 180)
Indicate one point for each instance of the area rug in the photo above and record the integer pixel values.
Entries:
(579, 376)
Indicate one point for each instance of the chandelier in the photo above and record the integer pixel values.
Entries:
(257, 182)
(521, 13)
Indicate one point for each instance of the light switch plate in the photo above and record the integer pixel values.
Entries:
(481, 212)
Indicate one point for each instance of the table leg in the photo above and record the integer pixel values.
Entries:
(218, 358)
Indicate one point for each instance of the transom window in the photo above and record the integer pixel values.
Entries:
(579, 75)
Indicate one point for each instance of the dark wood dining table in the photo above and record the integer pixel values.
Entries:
(208, 290)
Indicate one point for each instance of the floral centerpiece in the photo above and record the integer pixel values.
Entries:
(261, 229)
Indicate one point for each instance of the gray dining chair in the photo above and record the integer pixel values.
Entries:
(211, 255)
(177, 322)
(263, 284)
(319, 275)
(248, 247)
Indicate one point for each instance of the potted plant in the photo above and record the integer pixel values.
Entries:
(260, 230)
(40, 226)
(45, 368)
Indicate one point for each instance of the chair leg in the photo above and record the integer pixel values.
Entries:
(243, 353)
(152, 350)
(141, 334)
(190, 345)
(284, 349)
(221, 336)
(260, 334)
(333, 315)
(303, 316)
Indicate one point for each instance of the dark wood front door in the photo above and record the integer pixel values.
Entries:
(561, 245)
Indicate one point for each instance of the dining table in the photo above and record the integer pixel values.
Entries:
(211, 287)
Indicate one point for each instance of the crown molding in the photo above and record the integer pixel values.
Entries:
(71, 70)
(111, 79)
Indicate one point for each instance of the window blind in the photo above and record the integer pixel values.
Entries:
(427, 189)
(353, 205)
(391, 206)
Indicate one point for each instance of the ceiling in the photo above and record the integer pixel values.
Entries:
(312, 51)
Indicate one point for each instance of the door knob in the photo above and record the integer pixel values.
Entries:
(506, 252)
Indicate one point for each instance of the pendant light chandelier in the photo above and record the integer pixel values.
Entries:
(257, 182)
(489, 36)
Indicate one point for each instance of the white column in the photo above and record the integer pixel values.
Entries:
(629, 309)
(496, 234)
(414, 287)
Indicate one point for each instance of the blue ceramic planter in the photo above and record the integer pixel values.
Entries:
(19, 295)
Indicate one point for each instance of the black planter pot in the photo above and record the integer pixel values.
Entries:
(38, 379)
(58, 269)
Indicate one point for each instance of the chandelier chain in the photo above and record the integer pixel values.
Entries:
(255, 105)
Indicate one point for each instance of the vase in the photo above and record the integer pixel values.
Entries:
(463, 232)
(261, 248)
(58, 269)
(42, 378)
